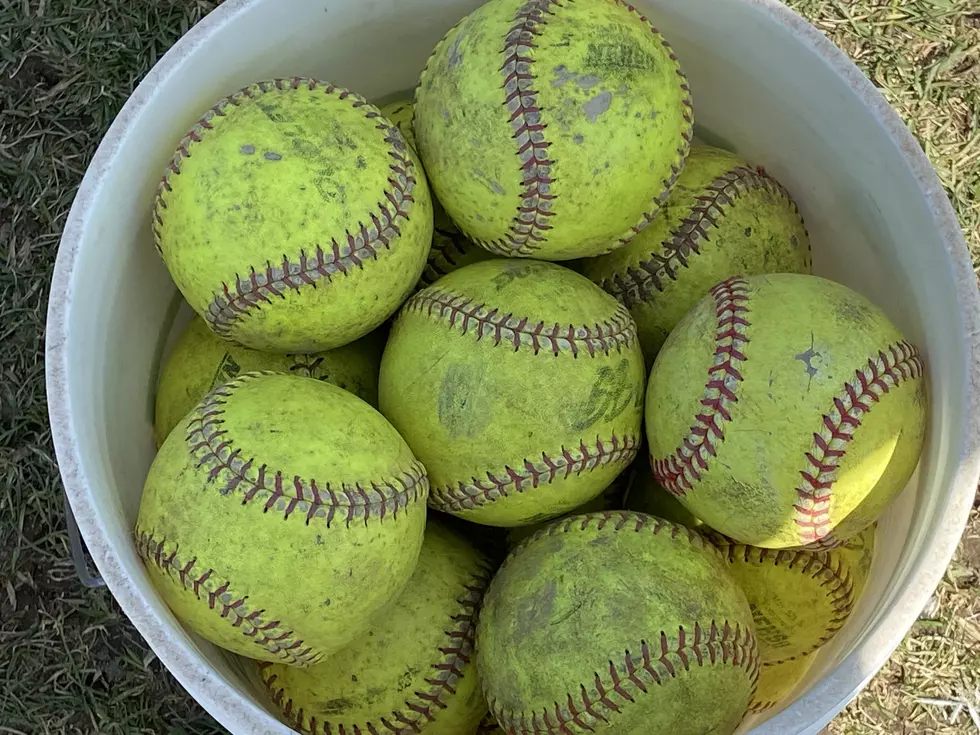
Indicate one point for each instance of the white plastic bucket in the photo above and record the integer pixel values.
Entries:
(765, 84)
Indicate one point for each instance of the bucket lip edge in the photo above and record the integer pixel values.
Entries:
(826, 698)
(186, 665)
(829, 695)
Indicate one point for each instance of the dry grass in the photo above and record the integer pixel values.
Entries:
(69, 661)
(924, 55)
(932, 683)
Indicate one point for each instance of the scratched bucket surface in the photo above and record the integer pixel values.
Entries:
(765, 85)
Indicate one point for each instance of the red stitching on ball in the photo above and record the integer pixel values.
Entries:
(305, 268)
(586, 457)
(837, 581)
(678, 472)
(896, 363)
(620, 520)
(530, 226)
(267, 634)
(641, 283)
(369, 500)
(463, 314)
(654, 664)
(424, 706)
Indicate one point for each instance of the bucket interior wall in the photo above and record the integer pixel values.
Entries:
(757, 91)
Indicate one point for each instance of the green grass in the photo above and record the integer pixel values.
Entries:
(69, 661)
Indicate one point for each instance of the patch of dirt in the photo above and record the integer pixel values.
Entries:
(33, 73)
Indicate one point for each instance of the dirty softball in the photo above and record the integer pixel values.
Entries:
(294, 217)
(785, 408)
(519, 385)
(244, 505)
(800, 600)
(617, 623)
(552, 130)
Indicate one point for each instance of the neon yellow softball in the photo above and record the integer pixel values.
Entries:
(552, 130)
(279, 515)
(294, 217)
(200, 361)
(800, 598)
(783, 407)
(519, 385)
(413, 670)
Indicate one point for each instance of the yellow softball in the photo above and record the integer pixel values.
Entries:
(200, 361)
(412, 670)
(573, 120)
(722, 217)
(777, 681)
(800, 598)
(294, 217)
(616, 623)
(519, 385)
(279, 515)
(783, 406)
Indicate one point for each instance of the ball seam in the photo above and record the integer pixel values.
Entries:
(680, 471)
(892, 366)
(229, 304)
(615, 521)
(641, 283)
(838, 583)
(423, 708)
(253, 624)
(464, 496)
(619, 685)
(528, 229)
(368, 500)
(467, 315)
